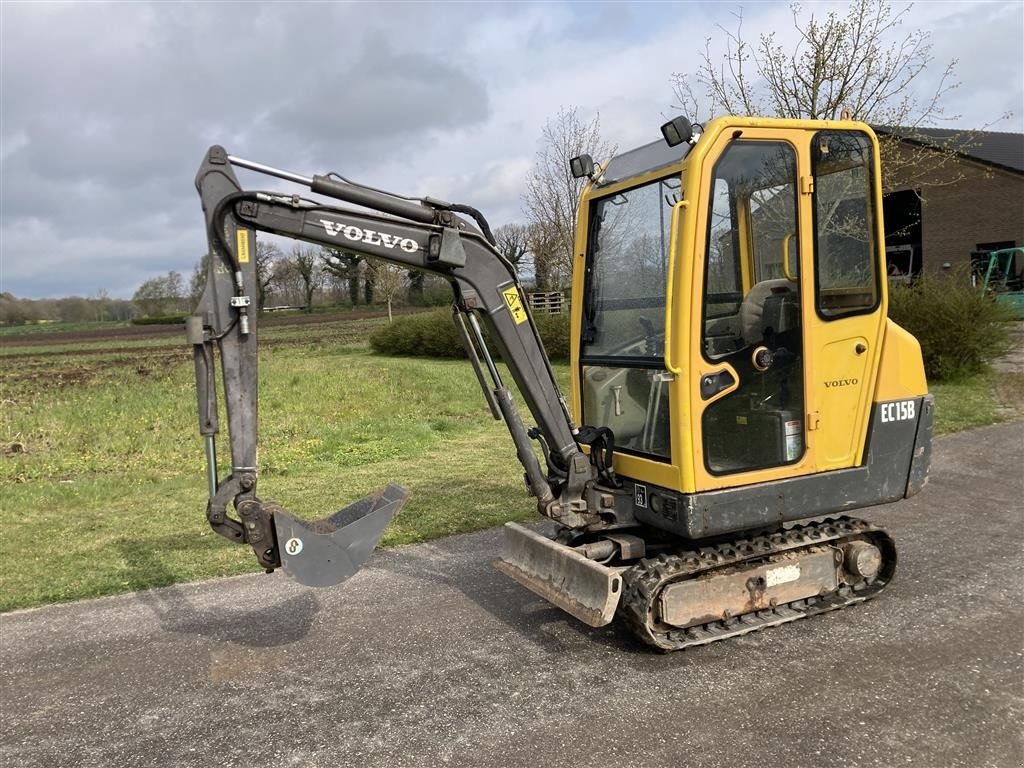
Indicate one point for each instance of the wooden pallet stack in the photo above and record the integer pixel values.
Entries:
(547, 301)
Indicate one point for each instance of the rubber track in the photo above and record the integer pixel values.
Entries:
(644, 581)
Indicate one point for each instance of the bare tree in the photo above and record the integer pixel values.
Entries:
(388, 280)
(266, 255)
(176, 289)
(552, 194)
(858, 63)
(197, 281)
(101, 301)
(543, 244)
(162, 295)
(306, 263)
(287, 282)
(513, 242)
(856, 60)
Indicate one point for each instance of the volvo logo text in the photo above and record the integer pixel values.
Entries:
(369, 236)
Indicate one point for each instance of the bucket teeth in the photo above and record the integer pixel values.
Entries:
(325, 552)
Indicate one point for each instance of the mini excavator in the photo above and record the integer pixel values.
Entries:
(737, 389)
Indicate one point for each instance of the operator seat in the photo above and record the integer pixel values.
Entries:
(752, 309)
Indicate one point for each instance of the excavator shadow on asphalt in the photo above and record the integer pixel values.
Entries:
(443, 562)
(271, 624)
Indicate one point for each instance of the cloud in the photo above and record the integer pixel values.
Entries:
(107, 109)
(991, 83)
(102, 132)
(378, 100)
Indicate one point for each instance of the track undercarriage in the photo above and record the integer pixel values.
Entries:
(686, 596)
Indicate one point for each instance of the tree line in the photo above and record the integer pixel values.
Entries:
(69, 309)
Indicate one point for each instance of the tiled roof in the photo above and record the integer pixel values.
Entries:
(1002, 150)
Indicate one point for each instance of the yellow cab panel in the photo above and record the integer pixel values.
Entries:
(729, 304)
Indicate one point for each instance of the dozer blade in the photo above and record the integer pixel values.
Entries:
(561, 575)
(322, 553)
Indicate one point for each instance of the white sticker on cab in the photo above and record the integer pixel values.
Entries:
(901, 410)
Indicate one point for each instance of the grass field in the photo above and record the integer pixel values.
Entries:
(102, 477)
(101, 483)
(33, 329)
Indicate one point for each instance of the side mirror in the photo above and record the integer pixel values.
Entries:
(582, 167)
(677, 130)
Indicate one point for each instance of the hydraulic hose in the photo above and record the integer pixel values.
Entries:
(478, 218)
(217, 224)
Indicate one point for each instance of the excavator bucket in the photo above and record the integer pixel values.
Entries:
(322, 553)
(561, 575)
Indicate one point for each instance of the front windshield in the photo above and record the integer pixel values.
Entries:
(627, 264)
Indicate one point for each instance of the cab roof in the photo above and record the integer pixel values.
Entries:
(644, 159)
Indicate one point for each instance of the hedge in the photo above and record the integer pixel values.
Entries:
(433, 334)
(960, 329)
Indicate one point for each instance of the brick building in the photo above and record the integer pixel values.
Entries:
(949, 194)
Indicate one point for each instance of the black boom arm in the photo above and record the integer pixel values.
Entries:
(426, 235)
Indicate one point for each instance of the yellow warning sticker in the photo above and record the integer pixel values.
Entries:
(242, 236)
(515, 304)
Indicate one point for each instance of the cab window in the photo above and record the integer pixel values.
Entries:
(752, 308)
(622, 367)
(845, 248)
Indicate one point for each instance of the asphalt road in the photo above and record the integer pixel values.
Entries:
(430, 658)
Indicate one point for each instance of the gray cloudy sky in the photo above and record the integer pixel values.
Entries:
(107, 109)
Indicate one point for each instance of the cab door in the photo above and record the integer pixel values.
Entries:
(748, 352)
(846, 311)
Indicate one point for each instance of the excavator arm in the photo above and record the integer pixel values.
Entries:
(427, 235)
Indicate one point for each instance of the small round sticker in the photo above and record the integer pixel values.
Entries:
(293, 546)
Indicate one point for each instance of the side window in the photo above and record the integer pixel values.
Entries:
(752, 260)
(845, 258)
(724, 282)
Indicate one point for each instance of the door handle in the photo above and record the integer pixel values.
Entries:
(713, 383)
(617, 394)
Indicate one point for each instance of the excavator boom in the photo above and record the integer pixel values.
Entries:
(428, 235)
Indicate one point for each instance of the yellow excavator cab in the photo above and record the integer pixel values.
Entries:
(731, 315)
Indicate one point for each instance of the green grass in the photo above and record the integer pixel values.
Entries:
(981, 400)
(52, 327)
(329, 331)
(101, 479)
